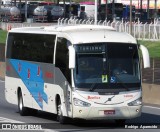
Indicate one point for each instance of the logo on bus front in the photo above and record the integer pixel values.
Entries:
(93, 97)
(128, 96)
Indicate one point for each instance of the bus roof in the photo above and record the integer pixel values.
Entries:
(79, 34)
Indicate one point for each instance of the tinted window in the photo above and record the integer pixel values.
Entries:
(107, 66)
(62, 57)
(82, 8)
(31, 47)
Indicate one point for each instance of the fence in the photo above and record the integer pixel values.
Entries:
(141, 31)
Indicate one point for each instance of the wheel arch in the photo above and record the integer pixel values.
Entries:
(18, 92)
(57, 99)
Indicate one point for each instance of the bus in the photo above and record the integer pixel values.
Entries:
(114, 10)
(45, 3)
(70, 9)
(126, 12)
(69, 70)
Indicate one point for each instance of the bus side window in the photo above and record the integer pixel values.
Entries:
(62, 57)
(31, 47)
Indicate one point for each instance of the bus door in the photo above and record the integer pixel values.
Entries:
(63, 74)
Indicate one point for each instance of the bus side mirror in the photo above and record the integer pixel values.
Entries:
(145, 55)
(72, 55)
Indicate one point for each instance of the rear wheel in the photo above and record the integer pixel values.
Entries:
(60, 116)
(22, 110)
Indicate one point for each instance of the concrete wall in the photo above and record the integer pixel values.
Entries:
(151, 93)
(2, 70)
(2, 52)
(2, 60)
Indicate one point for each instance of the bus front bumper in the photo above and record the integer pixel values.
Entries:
(95, 113)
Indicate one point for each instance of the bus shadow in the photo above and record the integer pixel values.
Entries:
(145, 119)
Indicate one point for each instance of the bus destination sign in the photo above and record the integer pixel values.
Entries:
(90, 48)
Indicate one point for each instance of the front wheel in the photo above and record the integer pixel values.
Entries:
(22, 110)
(60, 116)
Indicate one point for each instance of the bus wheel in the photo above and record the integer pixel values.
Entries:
(33, 112)
(120, 122)
(60, 116)
(22, 110)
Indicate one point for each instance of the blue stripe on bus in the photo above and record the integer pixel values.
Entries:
(34, 83)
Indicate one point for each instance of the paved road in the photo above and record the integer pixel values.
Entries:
(9, 114)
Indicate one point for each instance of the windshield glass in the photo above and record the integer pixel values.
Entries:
(89, 69)
(107, 66)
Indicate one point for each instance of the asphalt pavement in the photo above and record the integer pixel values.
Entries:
(9, 114)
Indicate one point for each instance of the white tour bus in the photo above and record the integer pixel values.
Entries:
(82, 72)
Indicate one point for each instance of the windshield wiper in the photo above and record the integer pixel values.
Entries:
(121, 82)
(93, 87)
(104, 71)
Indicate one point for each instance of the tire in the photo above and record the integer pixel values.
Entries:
(33, 112)
(60, 117)
(22, 110)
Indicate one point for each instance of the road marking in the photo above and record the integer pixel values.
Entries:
(6, 120)
(152, 107)
(50, 130)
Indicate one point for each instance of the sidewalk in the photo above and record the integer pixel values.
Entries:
(152, 105)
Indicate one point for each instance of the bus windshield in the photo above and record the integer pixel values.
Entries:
(107, 66)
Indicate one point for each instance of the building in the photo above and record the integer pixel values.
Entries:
(137, 3)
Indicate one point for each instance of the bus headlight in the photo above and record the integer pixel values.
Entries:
(136, 102)
(78, 102)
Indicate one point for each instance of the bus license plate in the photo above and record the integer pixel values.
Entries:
(109, 112)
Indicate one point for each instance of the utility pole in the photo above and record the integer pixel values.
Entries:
(155, 9)
(148, 3)
(70, 8)
(130, 19)
(26, 10)
(14, 3)
(98, 10)
(64, 5)
(141, 11)
(106, 13)
(95, 13)
(113, 10)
